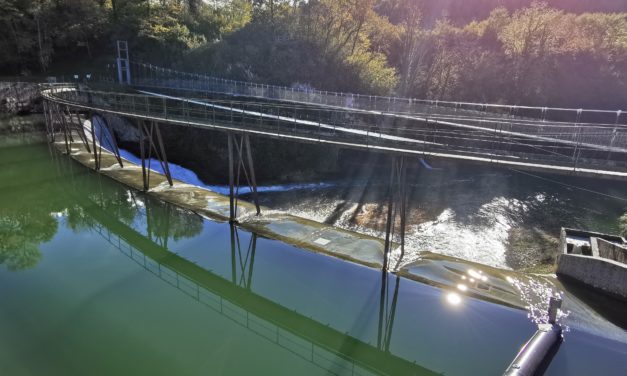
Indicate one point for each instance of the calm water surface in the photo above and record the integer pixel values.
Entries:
(98, 279)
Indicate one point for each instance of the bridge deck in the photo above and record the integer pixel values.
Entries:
(350, 129)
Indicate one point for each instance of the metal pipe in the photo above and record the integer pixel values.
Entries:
(142, 154)
(232, 214)
(538, 352)
(251, 167)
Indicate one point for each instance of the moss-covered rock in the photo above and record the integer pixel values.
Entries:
(622, 224)
(532, 249)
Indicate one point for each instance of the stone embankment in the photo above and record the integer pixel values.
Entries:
(20, 98)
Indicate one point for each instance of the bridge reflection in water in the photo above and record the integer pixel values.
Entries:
(233, 297)
(344, 318)
(236, 310)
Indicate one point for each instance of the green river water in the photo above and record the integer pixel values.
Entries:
(98, 279)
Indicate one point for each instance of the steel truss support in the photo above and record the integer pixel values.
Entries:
(49, 121)
(148, 145)
(387, 311)
(101, 139)
(78, 127)
(70, 125)
(96, 140)
(244, 258)
(60, 118)
(238, 145)
(397, 207)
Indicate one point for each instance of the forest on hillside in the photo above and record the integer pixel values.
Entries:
(554, 53)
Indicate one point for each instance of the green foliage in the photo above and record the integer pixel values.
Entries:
(535, 55)
(515, 51)
(336, 45)
(622, 224)
(20, 236)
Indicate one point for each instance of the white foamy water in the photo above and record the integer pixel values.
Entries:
(188, 176)
(484, 240)
(456, 213)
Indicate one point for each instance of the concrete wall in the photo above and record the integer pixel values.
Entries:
(205, 152)
(606, 275)
(612, 251)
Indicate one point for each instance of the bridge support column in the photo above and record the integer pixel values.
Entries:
(245, 259)
(49, 121)
(67, 136)
(98, 140)
(237, 147)
(147, 146)
(387, 311)
(113, 142)
(78, 126)
(95, 143)
(397, 206)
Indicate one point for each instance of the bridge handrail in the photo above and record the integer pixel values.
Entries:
(431, 102)
(190, 106)
(339, 110)
(546, 149)
(512, 120)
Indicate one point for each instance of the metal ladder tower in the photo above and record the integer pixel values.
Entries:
(123, 63)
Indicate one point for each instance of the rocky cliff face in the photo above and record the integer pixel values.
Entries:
(125, 130)
(19, 98)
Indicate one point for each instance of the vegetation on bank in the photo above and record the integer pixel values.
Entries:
(560, 53)
(622, 224)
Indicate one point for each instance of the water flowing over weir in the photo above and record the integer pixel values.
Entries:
(150, 275)
(494, 217)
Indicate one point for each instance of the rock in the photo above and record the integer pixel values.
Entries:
(125, 130)
(19, 97)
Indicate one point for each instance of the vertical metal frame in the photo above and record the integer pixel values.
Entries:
(397, 207)
(240, 160)
(148, 145)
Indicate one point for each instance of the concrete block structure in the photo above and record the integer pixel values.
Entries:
(594, 259)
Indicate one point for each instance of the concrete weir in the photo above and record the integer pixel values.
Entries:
(300, 232)
(452, 276)
(594, 259)
(437, 270)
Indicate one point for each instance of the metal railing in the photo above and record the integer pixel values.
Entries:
(554, 146)
(151, 75)
(601, 128)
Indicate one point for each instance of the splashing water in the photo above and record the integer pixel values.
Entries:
(486, 217)
(536, 296)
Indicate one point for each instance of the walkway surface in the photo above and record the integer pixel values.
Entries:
(588, 149)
